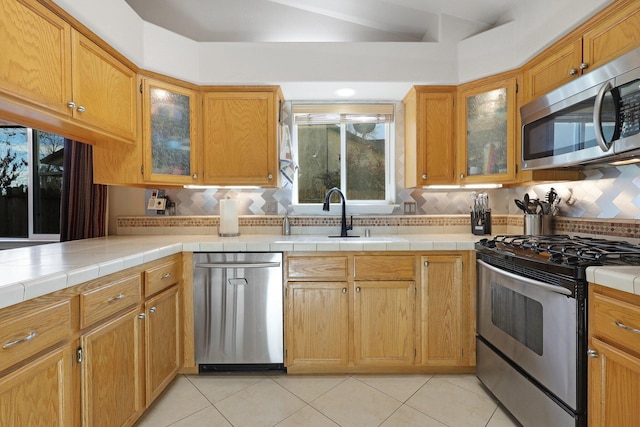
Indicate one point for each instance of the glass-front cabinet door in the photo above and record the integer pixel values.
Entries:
(488, 139)
(170, 133)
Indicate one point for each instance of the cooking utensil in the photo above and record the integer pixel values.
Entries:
(521, 206)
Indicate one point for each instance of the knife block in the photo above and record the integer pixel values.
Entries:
(481, 222)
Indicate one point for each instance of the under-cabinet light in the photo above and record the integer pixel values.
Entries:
(461, 187)
(221, 187)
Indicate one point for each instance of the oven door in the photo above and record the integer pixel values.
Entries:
(533, 324)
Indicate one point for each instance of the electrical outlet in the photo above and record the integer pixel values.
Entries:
(410, 208)
(270, 208)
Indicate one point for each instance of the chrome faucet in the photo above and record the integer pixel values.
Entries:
(343, 225)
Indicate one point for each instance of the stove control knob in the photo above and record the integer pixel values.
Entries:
(592, 353)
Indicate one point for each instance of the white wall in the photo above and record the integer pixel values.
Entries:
(314, 70)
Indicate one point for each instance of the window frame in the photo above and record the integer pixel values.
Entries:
(385, 206)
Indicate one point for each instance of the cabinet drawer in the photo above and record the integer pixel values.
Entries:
(384, 266)
(98, 304)
(616, 321)
(328, 267)
(161, 277)
(31, 332)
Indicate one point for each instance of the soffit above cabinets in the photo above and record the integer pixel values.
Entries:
(326, 21)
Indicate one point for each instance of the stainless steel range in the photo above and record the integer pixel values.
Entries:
(532, 322)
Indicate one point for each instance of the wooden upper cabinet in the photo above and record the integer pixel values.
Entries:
(614, 35)
(615, 31)
(240, 144)
(554, 69)
(35, 64)
(104, 89)
(55, 79)
(487, 117)
(429, 136)
(170, 132)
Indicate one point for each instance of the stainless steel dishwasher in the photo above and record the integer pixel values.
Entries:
(238, 300)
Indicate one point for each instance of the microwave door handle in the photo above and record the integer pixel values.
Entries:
(597, 117)
(536, 283)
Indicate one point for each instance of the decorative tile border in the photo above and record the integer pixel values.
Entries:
(304, 221)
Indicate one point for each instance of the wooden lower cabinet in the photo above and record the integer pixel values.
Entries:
(40, 393)
(614, 358)
(386, 314)
(383, 323)
(112, 378)
(162, 336)
(317, 320)
(447, 315)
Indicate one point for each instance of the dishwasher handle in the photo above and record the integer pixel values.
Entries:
(238, 265)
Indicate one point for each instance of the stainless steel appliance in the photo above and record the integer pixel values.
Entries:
(532, 322)
(238, 303)
(593, 119)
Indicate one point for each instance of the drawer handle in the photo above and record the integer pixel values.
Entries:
(29, 337)
(627, 328)
(166, 276)
(114, 299)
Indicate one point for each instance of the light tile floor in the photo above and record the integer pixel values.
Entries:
(255, 400)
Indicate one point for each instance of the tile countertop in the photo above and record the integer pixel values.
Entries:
(29, 272)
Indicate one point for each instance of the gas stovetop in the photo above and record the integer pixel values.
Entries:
(565, 250)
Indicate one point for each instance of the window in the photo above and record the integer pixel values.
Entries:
(30, 183)
(348, 146)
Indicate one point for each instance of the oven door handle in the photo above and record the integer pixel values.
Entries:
(536, 283)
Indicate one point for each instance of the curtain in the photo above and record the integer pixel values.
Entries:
(84, 204)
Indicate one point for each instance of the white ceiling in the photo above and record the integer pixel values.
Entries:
(325, 20)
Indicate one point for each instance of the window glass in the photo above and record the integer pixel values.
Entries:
(345, 149)
(30, 185)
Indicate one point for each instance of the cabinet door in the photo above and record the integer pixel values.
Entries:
(170, 133)
(35, 64)
(383, 323)
(429, 136)
(162, 334)
(487, 142)
(40, 393)
(112, 373)
(556, 69)
(613, 36)
(317, 332)
(442, 303)
(239, 146)
(104, 89)
(614, 387)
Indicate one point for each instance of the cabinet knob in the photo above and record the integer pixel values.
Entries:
(584, 66)
(592, 353)
(81, 109)
(71, 104)
(344, 290)
(153, 309)
(424, 176)
(461, 176)
(358, 289)
(141, 316)
(194, 176)
(573, 72)
(270, 176)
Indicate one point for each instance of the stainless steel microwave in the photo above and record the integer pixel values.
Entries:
(593, 119)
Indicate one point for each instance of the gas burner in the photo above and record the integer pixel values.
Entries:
(567, 250)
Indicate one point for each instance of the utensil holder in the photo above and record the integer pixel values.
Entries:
(481, 222)
(532, 224)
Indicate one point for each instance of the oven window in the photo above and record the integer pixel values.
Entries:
(517, 315)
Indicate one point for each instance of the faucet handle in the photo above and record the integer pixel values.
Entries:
(350, 226)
